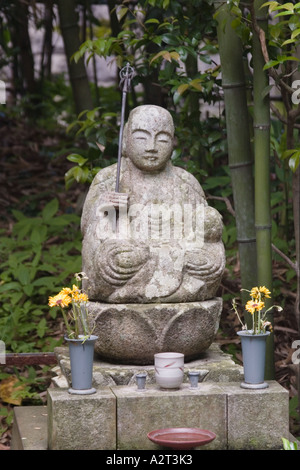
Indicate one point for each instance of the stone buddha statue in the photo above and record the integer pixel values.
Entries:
(152, 251)
(156, 240)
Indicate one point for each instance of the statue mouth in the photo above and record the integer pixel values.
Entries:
(151, 158)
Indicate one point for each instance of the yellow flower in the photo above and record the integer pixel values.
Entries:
(65, 291)
(59, 300)
(252, 306)
(254, 293)
(260, 292)
(82, 297)
(265, 292)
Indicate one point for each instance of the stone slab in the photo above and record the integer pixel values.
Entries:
(214, 366)
(142, 412)
(29, 430)
(257, 419)
(81, 422)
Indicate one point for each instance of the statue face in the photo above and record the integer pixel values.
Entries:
(149, 142)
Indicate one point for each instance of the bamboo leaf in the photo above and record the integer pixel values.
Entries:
(76, 158)
(294, 158)
(122, 12)
(166, 55)
(288, 153)
(277, 6)
(295, 33)
(280, 60)
(182, 88)
(266, 91)
(287, 6)
(270, 64)
(196, 84)
(176, 97)
(294, 161)
(170, 39)
(284, 13)
(159, 54)
(174, 55)
(288, 41)
(271, 4)
(151, 21)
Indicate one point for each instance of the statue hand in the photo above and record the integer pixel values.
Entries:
(117, 200)
(122, 261)
(203, 263)
(128, 257)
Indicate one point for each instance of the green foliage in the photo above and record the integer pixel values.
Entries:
(41, 253)
(280, 47)
(293, 407)
(281, 197)
(26, 384)
(288, 445)
(99, 130)
(164, 42)
(8, 415)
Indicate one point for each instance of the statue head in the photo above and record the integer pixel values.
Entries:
(148, 138)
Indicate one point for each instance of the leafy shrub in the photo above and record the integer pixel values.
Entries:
(41, 254)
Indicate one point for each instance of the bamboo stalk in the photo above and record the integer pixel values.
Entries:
(239, 147)
(261, 124)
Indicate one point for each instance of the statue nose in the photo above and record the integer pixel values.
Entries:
(151, 145)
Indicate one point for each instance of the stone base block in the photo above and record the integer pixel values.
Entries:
(81, 422)
(133, 333)
(257, 419)
(142, 412)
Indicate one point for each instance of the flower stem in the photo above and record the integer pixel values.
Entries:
(66, 322)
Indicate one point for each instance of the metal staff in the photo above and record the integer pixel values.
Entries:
(126, 75)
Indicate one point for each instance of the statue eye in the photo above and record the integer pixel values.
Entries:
(140, 135)
(164, 138)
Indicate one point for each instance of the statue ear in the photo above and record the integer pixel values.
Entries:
(124, 140)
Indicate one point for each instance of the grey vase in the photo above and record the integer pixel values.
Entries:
(81, 361)
(254, 357)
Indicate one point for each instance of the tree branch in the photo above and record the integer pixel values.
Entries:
(286, 258)
(281, 117)
(262, 39)
(227, 202)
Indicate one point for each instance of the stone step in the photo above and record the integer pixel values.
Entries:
(29, 430)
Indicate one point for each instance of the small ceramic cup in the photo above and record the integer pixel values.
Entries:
(169, 369)
(141, 381)
(194, 378)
